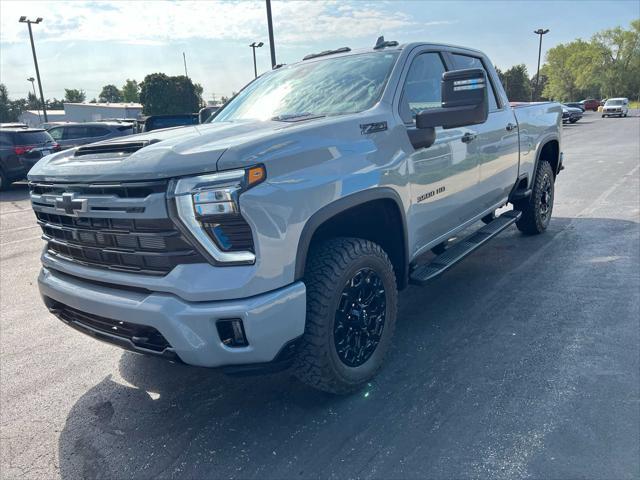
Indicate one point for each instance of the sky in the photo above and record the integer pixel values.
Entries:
(89, 44)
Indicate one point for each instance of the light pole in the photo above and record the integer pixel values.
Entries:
(270, 25)
(255, 45)
(539, 32)
(32, 80)
(24, 19)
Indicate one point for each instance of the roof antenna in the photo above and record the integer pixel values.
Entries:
(381, 43)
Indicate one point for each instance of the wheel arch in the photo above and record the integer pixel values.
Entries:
(549, 150)
(351, 216)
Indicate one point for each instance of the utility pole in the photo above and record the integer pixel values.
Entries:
(24, 19)
(33, 85)
(184, 58)
(271, 43)
(255, 45)
(540, 32)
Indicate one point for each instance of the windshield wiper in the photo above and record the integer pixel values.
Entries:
(291, 117)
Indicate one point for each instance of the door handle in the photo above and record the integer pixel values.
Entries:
(468, 137)
(511, 126)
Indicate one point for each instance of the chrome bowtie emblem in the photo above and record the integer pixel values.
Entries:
(69, 204)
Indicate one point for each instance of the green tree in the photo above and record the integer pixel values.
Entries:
(110, 94)
(516, 83)
(8, 110)
(162, 94)
(72, 95)
(33, 102)
(131, 91)
(539, 96)
(619, 52)
(607, 65)
(55, 104)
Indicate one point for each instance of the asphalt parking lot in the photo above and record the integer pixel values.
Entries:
(523, 361)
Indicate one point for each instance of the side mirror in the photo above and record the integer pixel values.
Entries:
(464, 101)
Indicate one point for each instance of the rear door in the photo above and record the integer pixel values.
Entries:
(443, 177)
(495, 147)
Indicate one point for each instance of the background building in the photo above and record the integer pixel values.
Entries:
(34, 118)
(83, 112)
(93, 112)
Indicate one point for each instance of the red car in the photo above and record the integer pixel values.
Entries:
(590, 104)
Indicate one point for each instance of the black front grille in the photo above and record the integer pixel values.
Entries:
(137, 336)
(148, 246)
(122, 190)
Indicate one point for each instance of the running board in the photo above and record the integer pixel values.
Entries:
(428, 271)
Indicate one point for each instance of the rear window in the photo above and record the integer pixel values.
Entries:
(167, 122)
(31, 138)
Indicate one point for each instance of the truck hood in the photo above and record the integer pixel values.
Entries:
(166, 153)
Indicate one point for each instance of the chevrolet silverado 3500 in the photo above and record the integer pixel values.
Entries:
(281, 231)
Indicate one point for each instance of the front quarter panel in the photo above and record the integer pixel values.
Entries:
(307, 171)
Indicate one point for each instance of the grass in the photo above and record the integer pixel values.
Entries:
(634, 105)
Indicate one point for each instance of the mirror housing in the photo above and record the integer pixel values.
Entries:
(464, 101)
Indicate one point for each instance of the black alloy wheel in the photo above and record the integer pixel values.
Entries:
(359, 318)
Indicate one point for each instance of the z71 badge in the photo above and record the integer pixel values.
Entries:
(430, 194)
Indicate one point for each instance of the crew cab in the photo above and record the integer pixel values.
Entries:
(279, 233)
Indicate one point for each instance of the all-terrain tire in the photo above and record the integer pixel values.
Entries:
(537, 209)
(329, 271)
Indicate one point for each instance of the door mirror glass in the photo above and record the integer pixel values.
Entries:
(464, 101)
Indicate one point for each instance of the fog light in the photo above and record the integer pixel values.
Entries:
(231, 333)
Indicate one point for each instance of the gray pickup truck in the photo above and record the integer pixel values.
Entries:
(279, 233)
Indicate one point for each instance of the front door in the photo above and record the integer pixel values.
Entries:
(443, 177)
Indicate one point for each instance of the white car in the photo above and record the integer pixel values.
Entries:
(616, 106)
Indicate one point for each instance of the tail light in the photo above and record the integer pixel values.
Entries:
(55, 146)
(22, 149)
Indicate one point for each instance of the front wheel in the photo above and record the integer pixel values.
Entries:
(537, 209)
(351, 315)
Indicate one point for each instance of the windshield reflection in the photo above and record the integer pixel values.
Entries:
(335, 86)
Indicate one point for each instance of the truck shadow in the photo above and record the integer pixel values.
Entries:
(456, 353)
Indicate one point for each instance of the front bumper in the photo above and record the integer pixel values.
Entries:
(271, 320)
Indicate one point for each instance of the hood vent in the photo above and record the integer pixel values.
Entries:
(122, 148)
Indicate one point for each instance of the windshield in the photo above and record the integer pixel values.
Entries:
(334, 86)
(614, 102)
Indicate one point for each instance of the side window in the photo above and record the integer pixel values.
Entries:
(462, 62)
(97, 131)
(56, 133)
(71, 133)
(422, 87)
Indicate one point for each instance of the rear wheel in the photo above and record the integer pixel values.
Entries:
(351, 315)
(537, 209)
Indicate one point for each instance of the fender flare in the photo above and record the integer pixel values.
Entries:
(543, 143)
(338, 206)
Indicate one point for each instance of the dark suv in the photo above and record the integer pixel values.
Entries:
(72, 135)
(20, 149)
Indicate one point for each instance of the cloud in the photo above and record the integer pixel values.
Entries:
(163, 22)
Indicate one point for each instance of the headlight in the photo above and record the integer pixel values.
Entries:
(208, 208)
